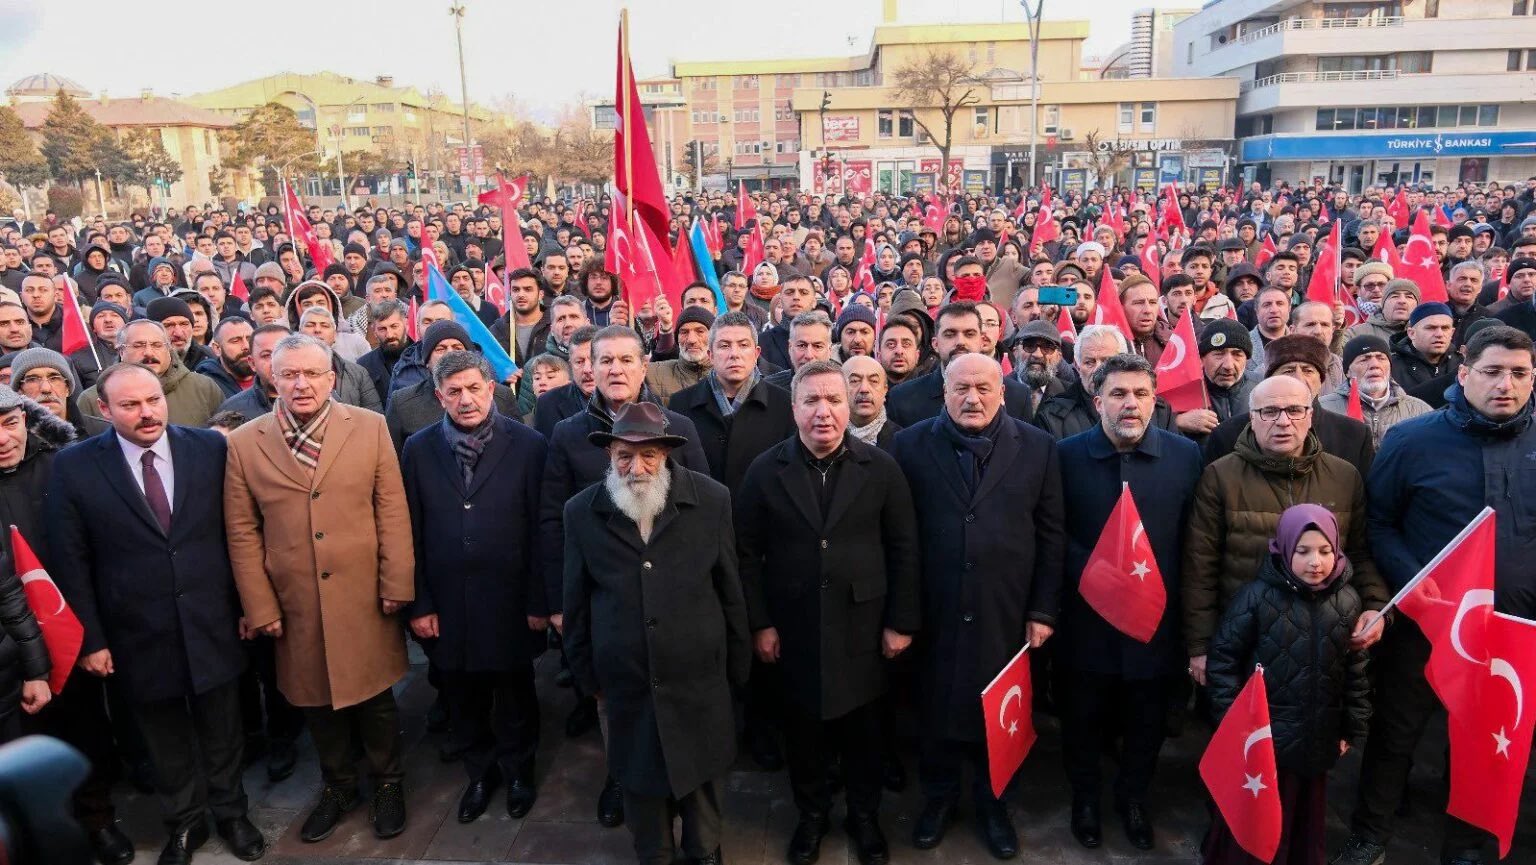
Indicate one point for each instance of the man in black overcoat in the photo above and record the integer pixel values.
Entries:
(988, 492)
(472, 481)
(656, 627)
(957, 331)
(828, 546)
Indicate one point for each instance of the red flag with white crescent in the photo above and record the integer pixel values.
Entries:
(1327, 268)
(746, 214)
(1180, 377)
(1398, 209)
(1066, 326)
(62, 632)
(495, 292)
(237, 287)
(1121, 580)
(1239, 770)
(1266, 251)
(74, 335)
(1006, 706)
(1109, 308)
(1420, 263)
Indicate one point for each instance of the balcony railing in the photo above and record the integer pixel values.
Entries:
(1315, 24)
(1313, 77)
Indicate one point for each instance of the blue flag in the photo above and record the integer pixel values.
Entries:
(439, 289)
(706, 265)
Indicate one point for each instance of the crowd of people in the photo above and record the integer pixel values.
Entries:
(808, 506)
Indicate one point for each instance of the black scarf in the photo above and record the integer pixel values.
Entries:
(972, 449)
(468, 445)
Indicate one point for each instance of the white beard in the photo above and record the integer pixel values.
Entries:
(640, 502)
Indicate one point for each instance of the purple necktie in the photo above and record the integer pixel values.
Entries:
(154, 492)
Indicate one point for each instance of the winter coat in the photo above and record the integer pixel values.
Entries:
(668, 377)
(1004, 276)
(416, 408)
(1411, 369)
(191, 398)
(23, 654)
(22, 488)
(1317, 686)
(501, 332)
(992, 563)
(658, 626)
(1237, 508)
(215, 370)
(354, 386)
(1162, 471)
(555, 406)
(380, 368)
(918, 399)
(1072, 411)
(830, 585)
(731, 443)
(1435, 473)
(320, 552)
(253, 402)
(1376, 325)
(1398, 406)
(477, 554)
(1340, 435)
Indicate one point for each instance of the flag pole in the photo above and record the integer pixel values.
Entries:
(625, 86)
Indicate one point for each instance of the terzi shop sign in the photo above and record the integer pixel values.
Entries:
(1143, 145)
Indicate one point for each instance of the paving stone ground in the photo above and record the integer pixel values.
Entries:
(562, 828)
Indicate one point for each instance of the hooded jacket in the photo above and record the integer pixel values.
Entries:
(349, 345)
(1238, 504)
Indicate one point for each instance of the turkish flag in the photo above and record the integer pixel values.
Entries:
(1438, 217)
(1151, 261)
(508, 195)
(745, 212)
(237, 287)
(1066, 326)
(934, 216)
(1180, 377)
(1386, 251)
(1398, 209)
(1354, 409)
(1046, 229)
(495, 292)
(1238, 768)
(1420, 263)
(1006, 704)
(410, 320)
(62, 632)
(1327, 267)
(1121, 580)
(634, 162)
(684, 268)
(75, 335)
(1171, 216)
(1109, 309)
(753, 255)
(1266, 251)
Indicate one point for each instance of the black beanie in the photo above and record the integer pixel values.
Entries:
(439, 331)
(694, 315)
(1225, 333)
(1365, 343)
(162, 308)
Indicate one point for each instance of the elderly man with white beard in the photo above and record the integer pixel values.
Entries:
(667, 377)
(1383, 402)
(655, 626)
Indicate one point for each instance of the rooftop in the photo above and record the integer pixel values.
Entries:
(139, 111)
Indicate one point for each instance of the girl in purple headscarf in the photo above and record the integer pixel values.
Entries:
(1295, 621)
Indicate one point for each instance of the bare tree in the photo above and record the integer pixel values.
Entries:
(939, 83)
(1105, 157)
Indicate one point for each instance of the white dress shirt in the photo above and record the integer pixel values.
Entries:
(134, 455)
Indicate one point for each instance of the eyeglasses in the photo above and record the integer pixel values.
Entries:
(1497, 373)
(291, 375)
(50, 378)
(147, 346)
(1272, 413)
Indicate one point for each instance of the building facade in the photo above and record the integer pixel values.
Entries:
(1429, 92)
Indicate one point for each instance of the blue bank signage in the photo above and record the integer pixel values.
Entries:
(1389, 145)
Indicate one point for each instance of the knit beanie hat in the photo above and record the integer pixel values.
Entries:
(443, 330)
(1365, 343)
(29, 359)
(853, 312)
(162, 308)
(694, 315)
(271, 270)
(1225, 333)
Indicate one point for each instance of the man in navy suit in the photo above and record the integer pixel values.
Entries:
(989, 509)
(135, 517)
(481, 608)
(957, 331)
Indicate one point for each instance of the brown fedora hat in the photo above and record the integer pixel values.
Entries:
(638, 423)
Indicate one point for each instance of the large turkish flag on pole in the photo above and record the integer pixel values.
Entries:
(1239, 769)
(1121, 580)
(634, 162)
(1006, 704)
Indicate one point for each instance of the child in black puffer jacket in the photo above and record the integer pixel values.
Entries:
(1295, 620)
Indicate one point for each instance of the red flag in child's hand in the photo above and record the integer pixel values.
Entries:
(1238, 768)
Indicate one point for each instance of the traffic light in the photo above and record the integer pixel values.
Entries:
(410, 169)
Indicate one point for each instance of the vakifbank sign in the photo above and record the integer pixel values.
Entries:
(1403, 145)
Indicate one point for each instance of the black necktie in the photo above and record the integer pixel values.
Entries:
(154, 492)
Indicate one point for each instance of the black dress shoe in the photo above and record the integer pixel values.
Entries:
(388, 810)
(477, 797)
(521, 793)
(1138, 825)
(281, 758)
(997, 830)
(764, 750)
(321, 822)
(437, 716)
(868, 840)
(583, 718)
(805, 844)
(610, 804)
(893, 774)
(714, 858)
(1086, 825)
(243, 839)
(110, 845)
(931, 824)
(183, 843)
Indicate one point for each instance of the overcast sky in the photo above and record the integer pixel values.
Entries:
(543, 54)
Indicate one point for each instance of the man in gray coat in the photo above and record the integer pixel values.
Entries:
(655, 626)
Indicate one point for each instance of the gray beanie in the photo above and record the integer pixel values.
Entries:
(10, 399)
(29, 359)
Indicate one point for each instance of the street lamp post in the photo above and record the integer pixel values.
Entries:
(1033, 17)
(457, 11)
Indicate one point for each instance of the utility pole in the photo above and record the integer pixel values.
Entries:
(457, 11)
(1033, 16)
(101, 197)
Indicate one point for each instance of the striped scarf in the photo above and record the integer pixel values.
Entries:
(304, 440)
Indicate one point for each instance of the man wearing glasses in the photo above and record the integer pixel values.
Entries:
(1278, 462)
(191, 398)
(1483, 444)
